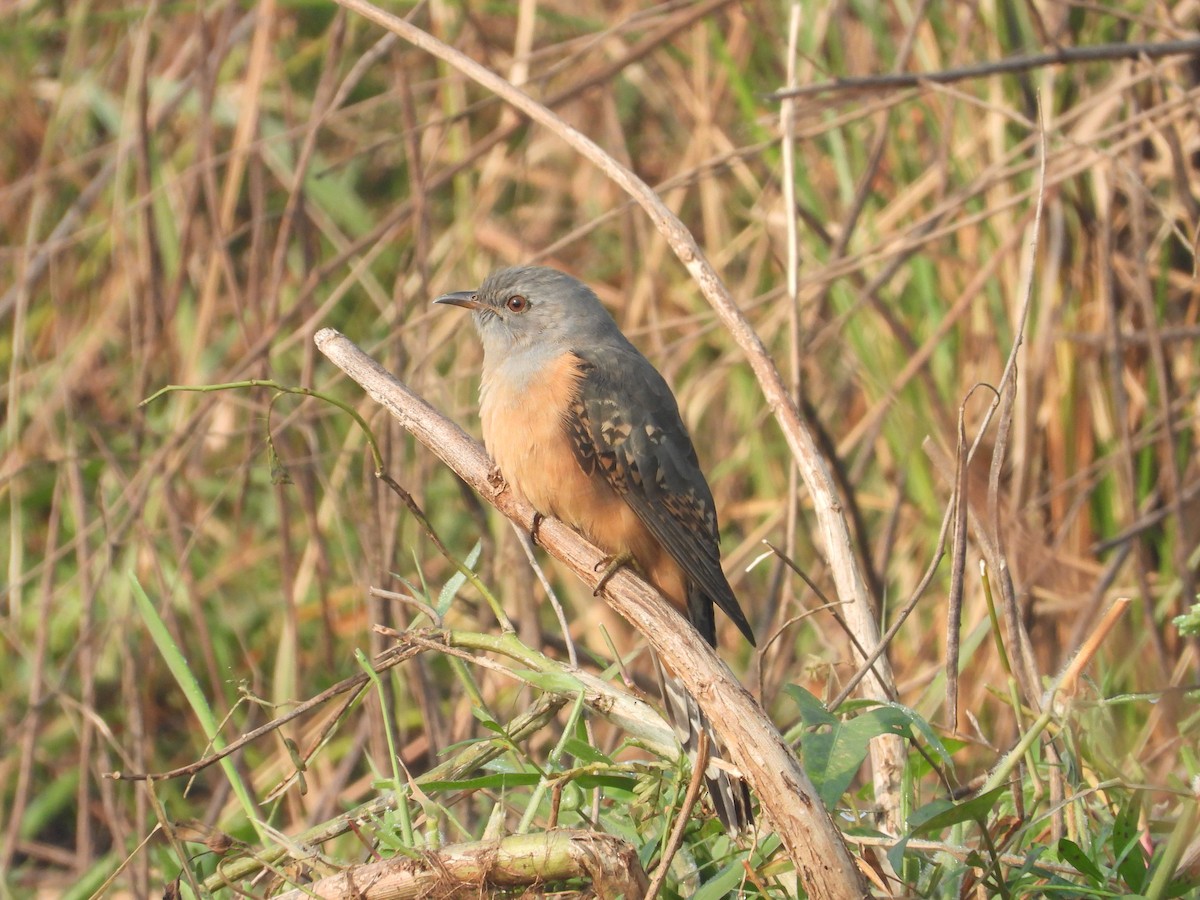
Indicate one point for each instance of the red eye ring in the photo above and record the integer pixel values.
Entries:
(516, 303)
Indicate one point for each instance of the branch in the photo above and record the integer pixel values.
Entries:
(463, 765)
(1060, 57)
(609, 863)
(788, 798)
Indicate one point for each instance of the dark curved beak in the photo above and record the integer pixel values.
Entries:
(465, 299)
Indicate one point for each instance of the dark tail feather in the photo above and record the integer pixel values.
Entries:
(730, 796)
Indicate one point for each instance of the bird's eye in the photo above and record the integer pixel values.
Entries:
(516, 303)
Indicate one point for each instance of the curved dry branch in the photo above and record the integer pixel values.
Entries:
(520, 860)
(788, 798)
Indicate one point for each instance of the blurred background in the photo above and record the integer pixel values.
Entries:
(189, 191)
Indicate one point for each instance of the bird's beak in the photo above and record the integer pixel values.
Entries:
(465, 299)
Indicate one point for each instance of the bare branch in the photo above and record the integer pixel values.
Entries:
(1014, 64)
(610, 863)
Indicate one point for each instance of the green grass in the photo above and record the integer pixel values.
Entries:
(140, 249)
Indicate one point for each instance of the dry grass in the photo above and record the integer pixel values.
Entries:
(187, 194)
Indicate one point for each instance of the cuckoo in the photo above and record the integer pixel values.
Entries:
(582, 426)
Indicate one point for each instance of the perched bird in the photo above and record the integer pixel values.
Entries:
(582, 426)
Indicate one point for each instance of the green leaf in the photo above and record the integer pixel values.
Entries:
(830, 768)
(485, 719)
(177, 664)
(895, 855)
(1071, 853)
(585, 752)
(1189, 623)
(941, 814)
(1180, 885)
(279, 471)
(457, 580)
(611, 782)
(724, 882)
(498, 781)
(832, 757)
(1131, 864)
(453, 749)
(812, 710)
(915, 720)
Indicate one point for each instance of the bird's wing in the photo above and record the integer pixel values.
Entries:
(624, 425)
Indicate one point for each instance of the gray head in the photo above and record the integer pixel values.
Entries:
(533, 307)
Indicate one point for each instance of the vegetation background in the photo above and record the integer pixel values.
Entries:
(189, 191)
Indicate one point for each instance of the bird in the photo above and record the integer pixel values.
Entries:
(582, 426)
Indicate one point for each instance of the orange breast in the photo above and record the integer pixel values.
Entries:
(525, 433)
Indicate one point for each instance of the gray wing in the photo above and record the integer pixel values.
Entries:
(625, 425)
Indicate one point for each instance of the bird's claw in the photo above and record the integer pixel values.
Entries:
(610, 566)
(496, 480)
(538, 518)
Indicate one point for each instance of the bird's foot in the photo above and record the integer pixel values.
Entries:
(538, 518)
(610, 565)
(496, 480)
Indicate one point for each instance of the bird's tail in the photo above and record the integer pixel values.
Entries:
(729, 793)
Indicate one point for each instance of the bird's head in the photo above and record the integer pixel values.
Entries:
(533, 307)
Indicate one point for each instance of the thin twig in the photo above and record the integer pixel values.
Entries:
(1020, 650)
(781, 588)
(389, 659)
(958, 563)
(527, 546)
(831, 606)
(407, 600)
(1068, 680)
(699, 764)
(1014, 64)
(902, 617)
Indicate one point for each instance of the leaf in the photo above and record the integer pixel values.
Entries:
(1180, 885)
(485, 719)
(830, 769)
(457, 580)
(453, 749)
(832, 757)
(1189, 623)
(812, 710)
(895, 856)
(1029, 868)
(498, 781)
(1070, 852)
(724, 882)
(585, 752)
(279, 471)
(1131, 864)
(914, 719)
(610, 782)
(919, 766)
(941, 814)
